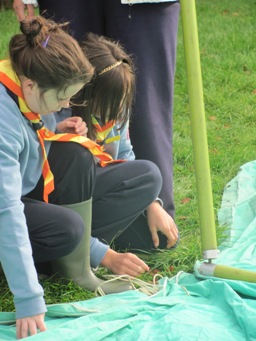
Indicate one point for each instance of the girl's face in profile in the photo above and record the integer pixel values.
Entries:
(50, 100)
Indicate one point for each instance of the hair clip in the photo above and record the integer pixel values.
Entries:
(44, 44)
(110, 67)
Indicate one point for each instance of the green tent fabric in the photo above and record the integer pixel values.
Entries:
(187, 307)
(238, 214)
(186, 310)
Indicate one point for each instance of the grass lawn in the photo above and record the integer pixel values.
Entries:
(228, 58)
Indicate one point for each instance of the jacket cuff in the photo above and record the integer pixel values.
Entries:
(97, 252)
(29, 307)
(160, 201)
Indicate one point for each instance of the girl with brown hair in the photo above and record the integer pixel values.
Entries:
(46, 68)
(108, 97)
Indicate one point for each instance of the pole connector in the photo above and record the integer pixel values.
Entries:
(211, 254)
(207, 269)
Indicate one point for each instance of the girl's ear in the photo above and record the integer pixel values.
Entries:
(28, 86)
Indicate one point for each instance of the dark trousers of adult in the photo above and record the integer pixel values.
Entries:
(149, 33)
(122, 192)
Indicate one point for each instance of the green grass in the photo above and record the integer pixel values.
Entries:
(228, 59)
(8, 27)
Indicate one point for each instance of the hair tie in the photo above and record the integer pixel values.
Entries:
(44, 44)
(110, 67)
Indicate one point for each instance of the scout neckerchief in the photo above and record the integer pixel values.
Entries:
(103, 131)
(10, 80)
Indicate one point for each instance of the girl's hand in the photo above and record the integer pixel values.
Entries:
(159, 220)
(124, 263)
(28, 326)
(73, 125)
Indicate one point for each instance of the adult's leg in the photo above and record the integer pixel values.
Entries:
(122, 192)
(66, 10)
(83, 15)
(149, 33)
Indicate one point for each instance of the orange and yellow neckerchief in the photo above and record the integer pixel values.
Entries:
(10, 80)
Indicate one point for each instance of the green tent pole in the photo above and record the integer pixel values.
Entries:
(200, 151)
(198, 129)
(227, 272)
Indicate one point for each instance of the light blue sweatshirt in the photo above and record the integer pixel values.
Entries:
(20, 170)
(118, 143)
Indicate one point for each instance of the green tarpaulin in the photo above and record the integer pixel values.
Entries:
(187, 307)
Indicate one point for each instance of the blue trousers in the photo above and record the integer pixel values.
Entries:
(149, 33)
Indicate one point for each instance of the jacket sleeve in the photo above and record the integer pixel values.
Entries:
(15, 248)
(97, 252)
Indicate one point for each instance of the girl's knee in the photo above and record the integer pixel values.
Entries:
(72, 230)
(79, 155)
(153, 176)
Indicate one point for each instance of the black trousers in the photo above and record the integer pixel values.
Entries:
(120, 192)
(149, 33)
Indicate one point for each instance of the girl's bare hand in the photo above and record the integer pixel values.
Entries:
(28, 326)
(73, 125)
(159, 220)
(124, 263)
